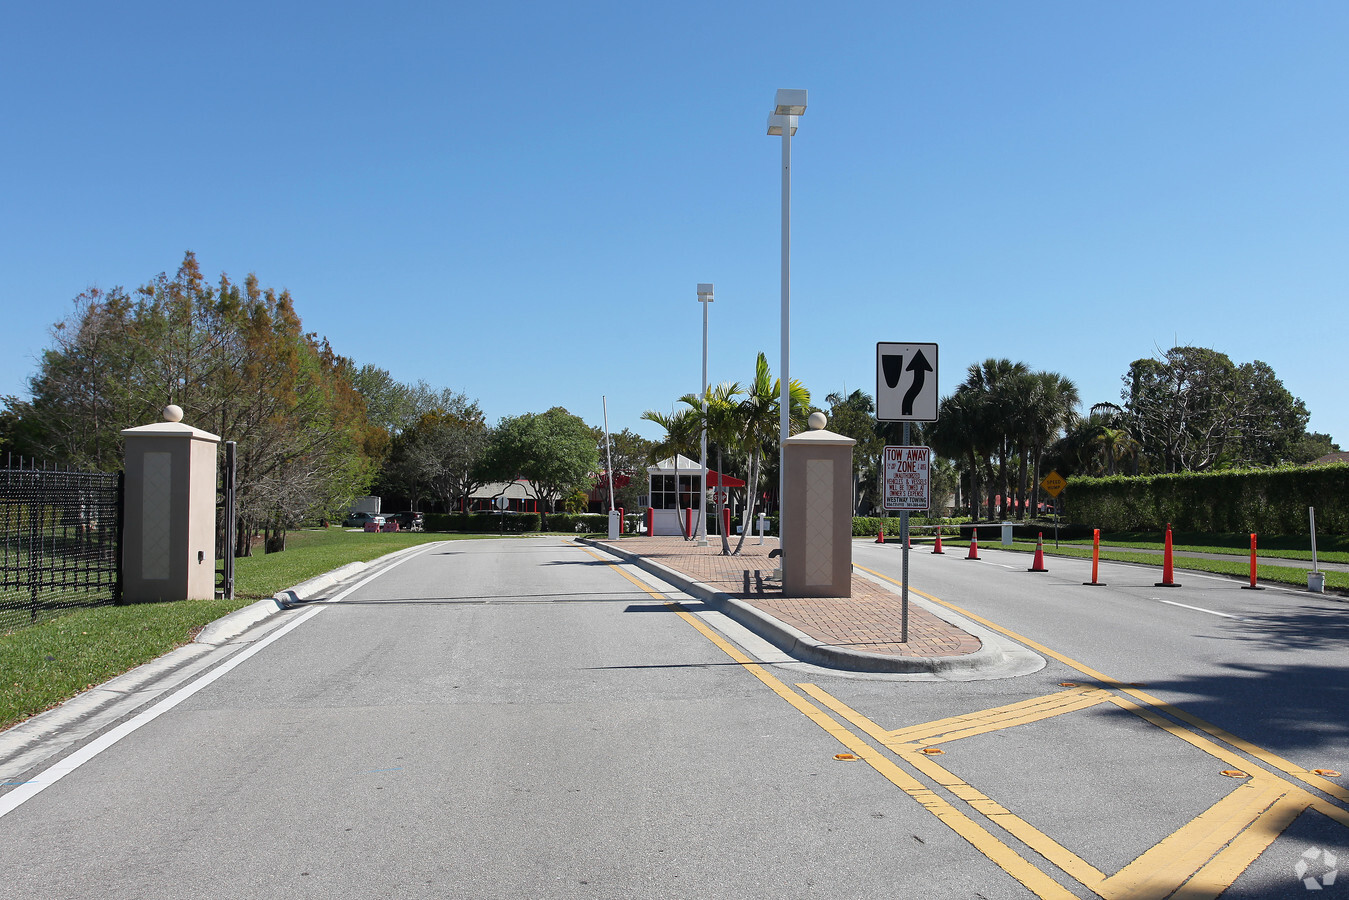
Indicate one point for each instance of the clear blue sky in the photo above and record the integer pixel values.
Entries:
(517, 200)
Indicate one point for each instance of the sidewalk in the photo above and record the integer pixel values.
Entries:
(861, 632)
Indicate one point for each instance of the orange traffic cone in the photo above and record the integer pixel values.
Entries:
(1038, 565)
(1168, 574)
(880, 535)
(937, 547)
(974, 546)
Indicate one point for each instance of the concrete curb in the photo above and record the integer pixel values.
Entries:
(996, 657)
(229, 627)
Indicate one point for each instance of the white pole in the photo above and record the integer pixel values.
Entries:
(609, 458)
(1311, 514)
(702, 510)
(784, 414)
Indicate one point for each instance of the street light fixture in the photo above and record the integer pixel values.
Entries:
(705, 298)
(787, 106)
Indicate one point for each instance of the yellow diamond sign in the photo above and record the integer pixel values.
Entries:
(1053, 484)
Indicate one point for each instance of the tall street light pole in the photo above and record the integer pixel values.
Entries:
(705, 298)
(788, 105)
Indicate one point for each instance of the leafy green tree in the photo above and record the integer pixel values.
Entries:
(1195, 410)
(554, 450)
(854, 415)
(441, 456)
(631, 454)
(237, 360)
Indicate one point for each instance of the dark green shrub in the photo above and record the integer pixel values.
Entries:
(1273, 501)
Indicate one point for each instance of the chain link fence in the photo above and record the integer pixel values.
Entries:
(60, 542)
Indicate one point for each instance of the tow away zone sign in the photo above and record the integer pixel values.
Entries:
(908, 485)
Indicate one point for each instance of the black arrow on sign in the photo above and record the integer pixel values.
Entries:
(919, 367)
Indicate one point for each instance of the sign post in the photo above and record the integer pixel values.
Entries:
(906, 391)
(1054, 484)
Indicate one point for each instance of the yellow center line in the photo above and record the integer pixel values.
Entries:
(1272, 759)
(1004, 856)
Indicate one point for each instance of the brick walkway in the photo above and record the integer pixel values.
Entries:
(868, 621)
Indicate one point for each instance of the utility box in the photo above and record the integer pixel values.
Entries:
(168, 537)
(1007, 534)
(817, 512)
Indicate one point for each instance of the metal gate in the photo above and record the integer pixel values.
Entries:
(60, 541)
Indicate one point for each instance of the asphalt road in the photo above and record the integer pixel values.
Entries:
(522, 718)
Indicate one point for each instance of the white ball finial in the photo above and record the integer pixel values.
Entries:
(173, 413)
(818, 420)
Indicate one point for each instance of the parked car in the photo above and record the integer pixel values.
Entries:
(357, 519)
(410, 521)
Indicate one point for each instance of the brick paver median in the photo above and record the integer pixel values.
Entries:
(868, 621)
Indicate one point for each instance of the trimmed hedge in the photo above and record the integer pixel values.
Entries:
(1273, 501)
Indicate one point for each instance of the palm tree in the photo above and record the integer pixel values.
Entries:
(961, 433)
(721, 422)
(681, 436)
(758, 426)
(995, 379)
(1054, 409)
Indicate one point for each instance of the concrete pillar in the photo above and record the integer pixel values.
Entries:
(817, 477)
(168, 538)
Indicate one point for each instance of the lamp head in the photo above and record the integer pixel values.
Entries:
(789, 103)
(704, 293)
(776, 123)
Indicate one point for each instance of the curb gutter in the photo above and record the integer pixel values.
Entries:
(996, 657)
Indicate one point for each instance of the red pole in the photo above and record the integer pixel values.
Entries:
(621, 513)
(1168, 573)
(650, 522)
(1252, 586)
(688, 522)
(1095, 557)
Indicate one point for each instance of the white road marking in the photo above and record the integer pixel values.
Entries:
(1211, 612)
(31, 788)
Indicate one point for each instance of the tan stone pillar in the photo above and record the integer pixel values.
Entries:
(817, 549)
(168, 537)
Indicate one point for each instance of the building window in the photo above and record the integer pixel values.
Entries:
(664, 496)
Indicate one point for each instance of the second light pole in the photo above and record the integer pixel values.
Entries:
(787, 106)
(705, 298)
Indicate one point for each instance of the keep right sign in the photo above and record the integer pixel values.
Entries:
(908, 483)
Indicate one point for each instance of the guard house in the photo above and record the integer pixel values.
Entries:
(676, 485)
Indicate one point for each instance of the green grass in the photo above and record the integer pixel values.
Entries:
(45, 664)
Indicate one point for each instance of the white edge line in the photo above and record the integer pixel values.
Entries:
(1211, 612)
(31, 788)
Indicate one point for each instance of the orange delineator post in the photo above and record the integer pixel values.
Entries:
(1038, 564)
(1252, 586)
(974, 544)
(937, 547)
(1168, 573)
(1095, 557)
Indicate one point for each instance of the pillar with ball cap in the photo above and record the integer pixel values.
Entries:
(168, 535)
(817, 549)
